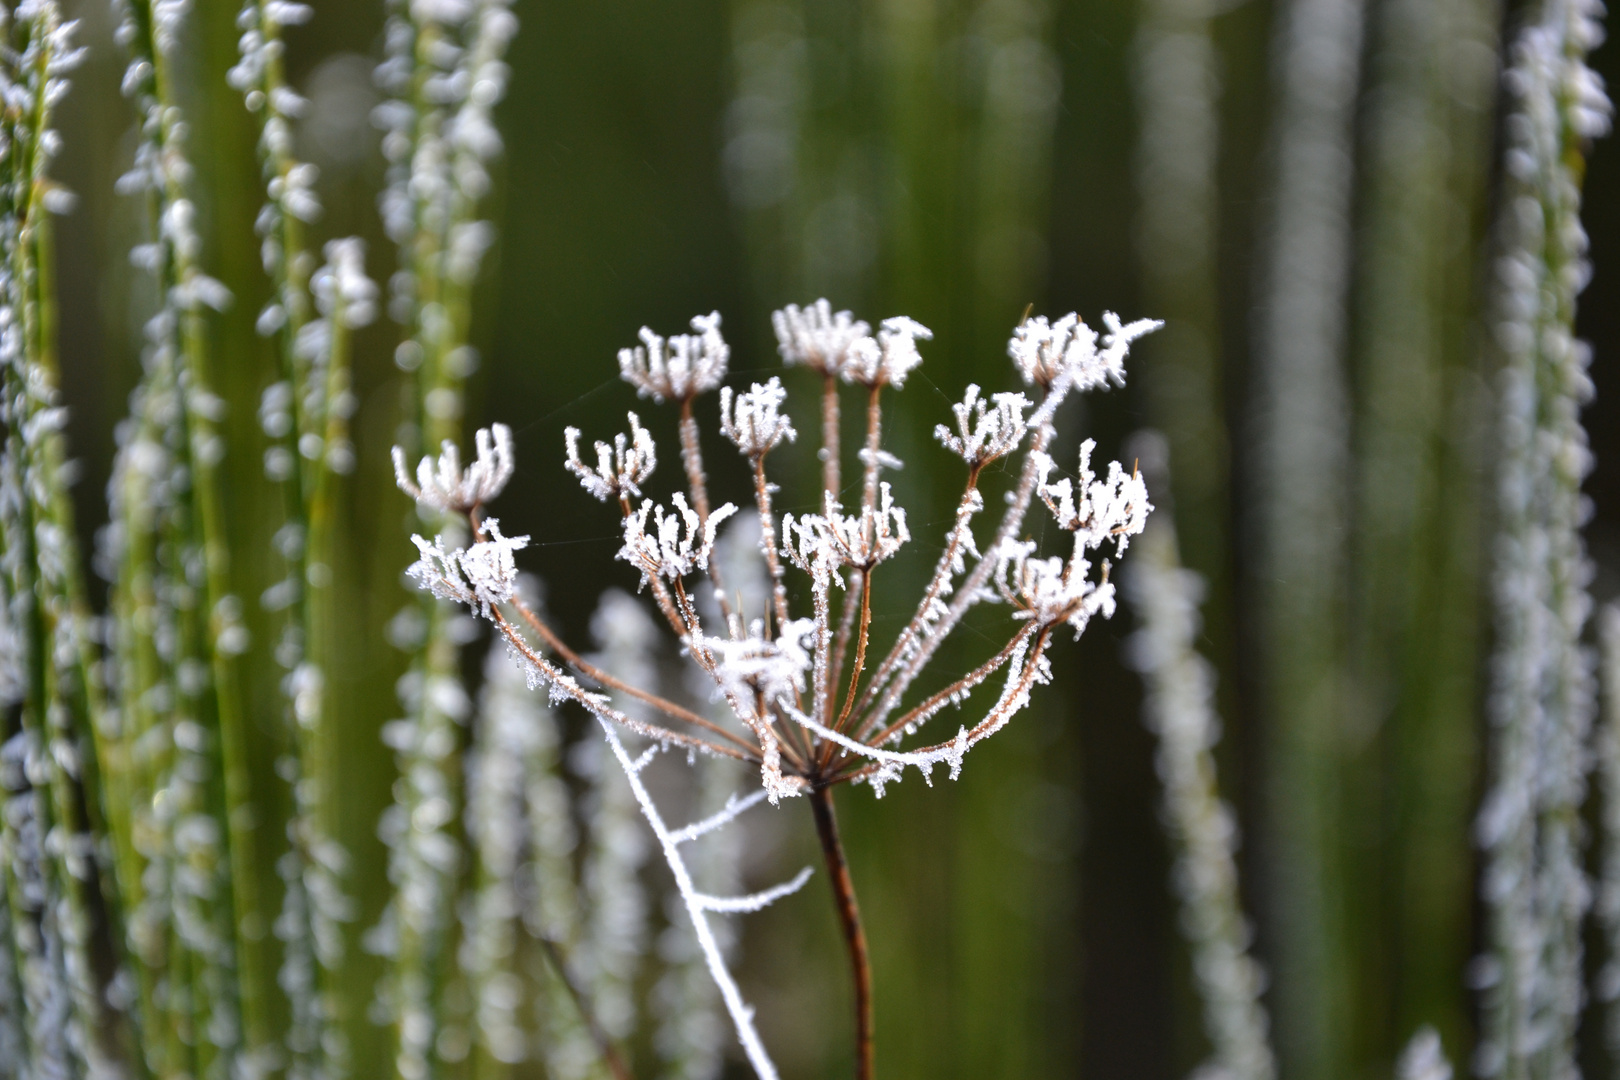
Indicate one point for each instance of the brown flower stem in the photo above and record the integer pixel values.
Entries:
(849, 918)
(829, 434)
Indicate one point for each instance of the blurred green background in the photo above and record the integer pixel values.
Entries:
(956, 161)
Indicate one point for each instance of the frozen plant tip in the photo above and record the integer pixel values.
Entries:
(442, 485)
(799, 700)
(621, 469)
(678, 368)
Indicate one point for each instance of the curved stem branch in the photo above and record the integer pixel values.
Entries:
(849, 918)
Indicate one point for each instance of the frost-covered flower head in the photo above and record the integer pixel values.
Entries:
(1113, 509)
(833, 538)
(441, 484)
(757, 424)
(820, 340)
(895, 357)
(1067, 349)
(678, 368)
(621, 469)
(666, 551)
(989, 430)
(1052, 591)
(483, 576)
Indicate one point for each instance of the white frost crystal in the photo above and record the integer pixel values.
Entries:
(988, 429)
(678, 368)
(815, 338)
(895, 357)
(756, 424)
(621, 469)
(1067, 349)
(442, 485)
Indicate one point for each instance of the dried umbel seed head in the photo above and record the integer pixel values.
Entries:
(620, 469)
(989, 429)
(678, 368)
(1066, 350)
(816, 338)
(1113, 509)
(442, 485)
(895, 357)
(756, 425)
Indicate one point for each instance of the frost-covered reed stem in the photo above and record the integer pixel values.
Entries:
(1607, 906)
(53, 810)
(305, 414)
(1180, 711)
(444, 74)
(217, 835)
(1541, 702)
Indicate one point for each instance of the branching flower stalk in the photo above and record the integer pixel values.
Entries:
(1541, 703)
(794, 700)
(443, 74)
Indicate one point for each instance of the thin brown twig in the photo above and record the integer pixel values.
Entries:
(860, 648)
(829, 433)
(934, 703)
(591, 671)
(566, 687)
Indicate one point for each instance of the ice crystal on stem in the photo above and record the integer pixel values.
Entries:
(798, 701)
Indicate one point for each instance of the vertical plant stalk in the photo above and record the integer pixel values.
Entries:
(1541, 703)
(1180, 712)
(1541, 700)
(1301, 430)
(54, 818)
(1607, 906)
(849, 921)
(236, 988)
(444, 75)
(305, 414)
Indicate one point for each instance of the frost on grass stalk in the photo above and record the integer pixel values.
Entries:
(1608, 771)
(58, 1016)
(795, 706)
(1541, 700)
(1180, 711)
(178, 628)
(305, 415)
(443, 74)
